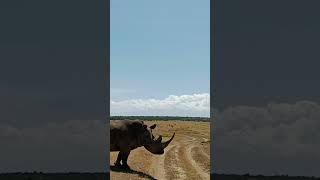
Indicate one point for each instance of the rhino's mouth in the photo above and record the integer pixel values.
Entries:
(159, 152)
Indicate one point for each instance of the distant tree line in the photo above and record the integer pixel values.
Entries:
(160, 118)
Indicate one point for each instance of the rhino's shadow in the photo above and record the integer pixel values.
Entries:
(131, 171)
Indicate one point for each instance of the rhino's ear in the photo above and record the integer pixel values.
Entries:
(153, 126)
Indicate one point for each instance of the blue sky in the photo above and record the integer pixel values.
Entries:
(159, 48)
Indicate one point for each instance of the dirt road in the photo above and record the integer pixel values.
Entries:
(187, 157)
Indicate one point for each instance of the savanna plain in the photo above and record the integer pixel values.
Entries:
(186, 157)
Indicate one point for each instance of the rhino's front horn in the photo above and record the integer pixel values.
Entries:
(165, 144)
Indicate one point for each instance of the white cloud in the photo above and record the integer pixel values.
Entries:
(173, 105)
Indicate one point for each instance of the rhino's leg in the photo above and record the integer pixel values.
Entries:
(125, 156)
(117, 163)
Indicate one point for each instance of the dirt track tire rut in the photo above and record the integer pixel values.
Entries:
(178, 157)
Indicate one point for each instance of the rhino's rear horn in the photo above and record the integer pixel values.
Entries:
(159, 139)
(165, 144)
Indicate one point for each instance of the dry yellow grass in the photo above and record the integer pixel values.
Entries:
(187, 157)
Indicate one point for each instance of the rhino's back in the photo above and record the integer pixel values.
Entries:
(121, 136)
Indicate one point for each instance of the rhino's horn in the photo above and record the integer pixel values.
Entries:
(165, 144)
(159, 139)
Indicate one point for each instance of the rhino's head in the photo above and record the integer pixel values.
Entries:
(155, 146)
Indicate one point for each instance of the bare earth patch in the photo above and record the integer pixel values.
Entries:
(187, 157)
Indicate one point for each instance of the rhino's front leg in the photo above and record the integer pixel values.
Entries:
(125, 156)
(117, 163)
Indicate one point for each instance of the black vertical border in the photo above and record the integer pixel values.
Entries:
(105, 56)
(107, 32)
(212, 59)
(215, 57)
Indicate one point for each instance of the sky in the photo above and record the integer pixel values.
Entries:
(159, 50)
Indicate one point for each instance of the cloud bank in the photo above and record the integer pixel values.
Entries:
(274, 139)
(173, 105)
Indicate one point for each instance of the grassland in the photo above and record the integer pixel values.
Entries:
(187, 157)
